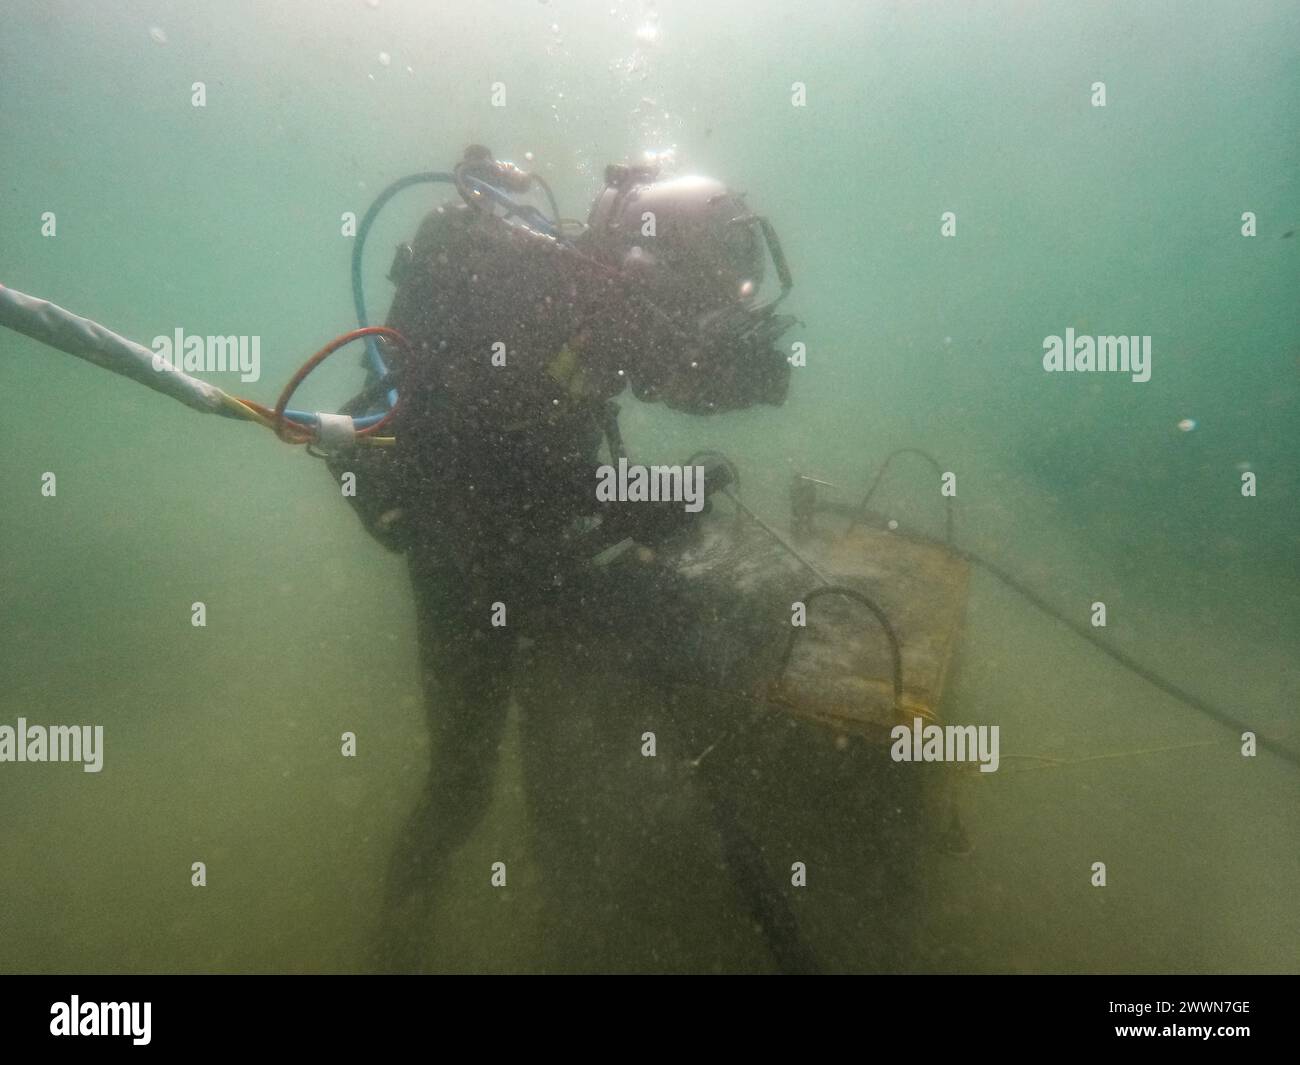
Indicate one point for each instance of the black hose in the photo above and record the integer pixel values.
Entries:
(1079, 629)
(1086, 633)
(1169, 688)
(895, 649)
(550, 198)
(947, 500)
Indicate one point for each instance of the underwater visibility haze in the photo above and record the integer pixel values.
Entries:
(432, 739)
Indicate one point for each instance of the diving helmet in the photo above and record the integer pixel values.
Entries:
(694, 251)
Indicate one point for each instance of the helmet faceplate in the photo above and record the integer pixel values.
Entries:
(697, 255)
(690, 241)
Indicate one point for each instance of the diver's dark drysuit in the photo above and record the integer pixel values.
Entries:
(490, 492)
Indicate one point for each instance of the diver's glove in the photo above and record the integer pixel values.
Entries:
(652, 523)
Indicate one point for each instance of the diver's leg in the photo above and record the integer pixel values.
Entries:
(465, 668)
(588, 789)
(621, 832)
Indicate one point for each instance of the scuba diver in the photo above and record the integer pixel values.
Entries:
(518, 335)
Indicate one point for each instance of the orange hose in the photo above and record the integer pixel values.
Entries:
(278, 421)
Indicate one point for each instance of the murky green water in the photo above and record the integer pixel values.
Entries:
(222, 743)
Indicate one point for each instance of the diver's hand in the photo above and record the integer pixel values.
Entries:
(651, 523)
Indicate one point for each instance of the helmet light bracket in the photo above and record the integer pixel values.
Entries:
(775, 250)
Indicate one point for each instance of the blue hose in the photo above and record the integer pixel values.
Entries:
(377, 364)
(358, 291)
(527, 214)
